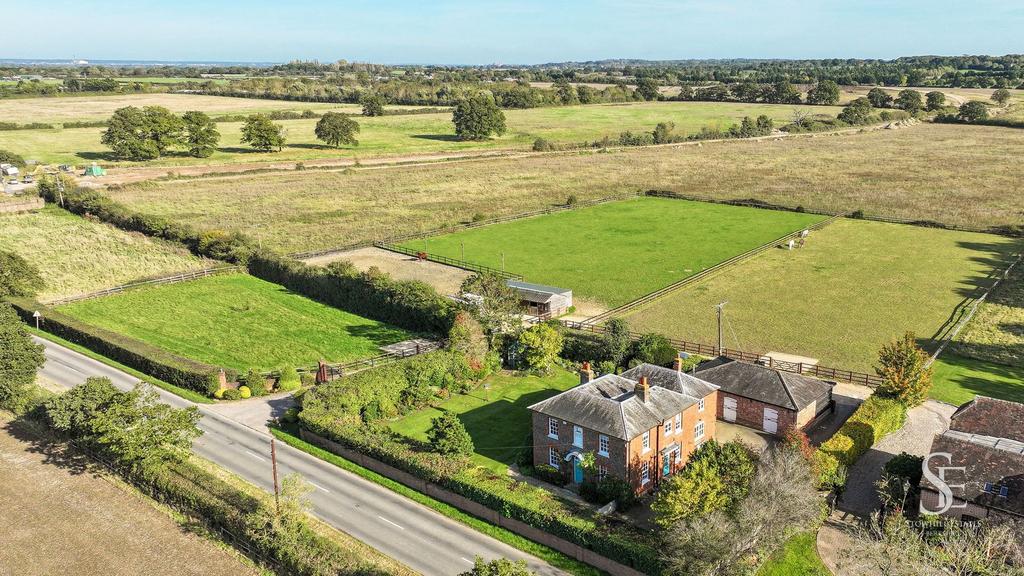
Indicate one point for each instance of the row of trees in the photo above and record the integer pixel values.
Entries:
(148, 133)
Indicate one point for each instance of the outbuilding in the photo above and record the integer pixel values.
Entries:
(541, 300)
(766, 399)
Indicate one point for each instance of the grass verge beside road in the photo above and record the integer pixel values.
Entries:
(957, 380)
(549, 555)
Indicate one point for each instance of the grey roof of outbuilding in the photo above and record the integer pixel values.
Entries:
(764, 384)
(610, 406)
(537, 292)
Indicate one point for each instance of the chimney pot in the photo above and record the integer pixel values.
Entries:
(586, 373)
(642, 389)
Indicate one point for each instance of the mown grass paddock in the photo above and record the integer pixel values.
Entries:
(853, 287)
(957, 379)
(614, 252)
(495, 414)
(75, 256)
(378, 136)
(947, 173)
(237, 321)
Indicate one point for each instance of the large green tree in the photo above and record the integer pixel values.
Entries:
(262, 134)
(909, 100)
(879, 98)
(902, 365)
(141, 431)
(127, 135)
(541, 344)
(72, 412)
(373, 104)
(782, 92)
(973, 111)
(496, 306)
(647, 88)
(856, 112)
(1001, 96)
(18, 277)
(201, 135)
(825, 92)
(477, 117)
(20, 358)
(934, 100)
(336, 129)
(448, 435)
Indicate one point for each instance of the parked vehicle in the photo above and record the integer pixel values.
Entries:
(27, 180)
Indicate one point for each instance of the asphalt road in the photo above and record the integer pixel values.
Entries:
(405, 530)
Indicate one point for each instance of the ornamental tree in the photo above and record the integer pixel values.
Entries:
(902, 367)
(448, 435)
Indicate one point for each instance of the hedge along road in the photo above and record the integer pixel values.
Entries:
(407, 531)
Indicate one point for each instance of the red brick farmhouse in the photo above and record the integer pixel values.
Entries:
(641, 426)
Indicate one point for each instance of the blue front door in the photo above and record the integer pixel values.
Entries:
(666, 464)
(577, 472)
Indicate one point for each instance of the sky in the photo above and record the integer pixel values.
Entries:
(504, 32)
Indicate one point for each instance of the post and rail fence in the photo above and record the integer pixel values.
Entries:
(823, 372)
(327, 372)
(172, 279)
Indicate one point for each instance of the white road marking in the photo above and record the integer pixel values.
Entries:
(314, 485)
(255, 455)
(390, 522)
(466, 561)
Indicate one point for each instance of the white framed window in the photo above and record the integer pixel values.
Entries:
(645, 473)
(679, 423)
(553, 458)
(577, 436)
(647, 442)
(700, 405)
(668, 427)
(698, 430)
(602, 471)
(553, 428)
(602, 445)
(679, 454)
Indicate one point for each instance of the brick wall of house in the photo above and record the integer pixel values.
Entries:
(750, 413)
(614, 462)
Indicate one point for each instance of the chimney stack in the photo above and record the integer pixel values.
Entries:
(677, 364)
(586, 373)
(642, 389)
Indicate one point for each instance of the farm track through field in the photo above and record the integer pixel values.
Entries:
(122, 176)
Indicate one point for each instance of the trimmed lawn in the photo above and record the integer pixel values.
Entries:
(798, 556)
(76, 256)
(383, 135)
(496, 418)
(957, 380)
(238, 321)
(855, 286)
(616, 252)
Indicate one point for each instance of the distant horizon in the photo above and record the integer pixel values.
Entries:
(267, 63)
(505, 32)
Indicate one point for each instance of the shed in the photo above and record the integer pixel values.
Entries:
(541, 300)
(95, 170)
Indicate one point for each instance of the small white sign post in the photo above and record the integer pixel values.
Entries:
(37, 316)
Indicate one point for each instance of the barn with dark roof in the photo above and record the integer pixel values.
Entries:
(764, 398)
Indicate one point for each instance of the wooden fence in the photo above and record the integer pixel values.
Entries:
(173, 279)
(470, 266)
(823, 372)
(703, 274)
(336, 371)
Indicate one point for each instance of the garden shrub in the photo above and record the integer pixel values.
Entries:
(307, 379)
(219, 394)
(255, 382)
(145, 358)
(549, 474)
(244, 392)
(874, 419)
(409, 304)
(288, 379)
(232, 394)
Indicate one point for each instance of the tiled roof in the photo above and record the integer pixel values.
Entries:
(977, 460)
(610, 406)
(991, 417)
(764, 384)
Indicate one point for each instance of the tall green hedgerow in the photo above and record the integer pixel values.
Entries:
(873, 420)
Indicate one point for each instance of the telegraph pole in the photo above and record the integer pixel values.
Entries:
(720, 308)
(277, 490)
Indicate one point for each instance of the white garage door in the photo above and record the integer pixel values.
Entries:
(771, 421)
(729, 410)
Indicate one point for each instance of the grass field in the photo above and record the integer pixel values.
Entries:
(799, 555)
(951, 173)
(59, 520)
(393, 135)
(238, 321)
(497, 418)
(616, 252)
(54, 110)
(957, 379)
(76, 256)
(855, 286)
(996, 333)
